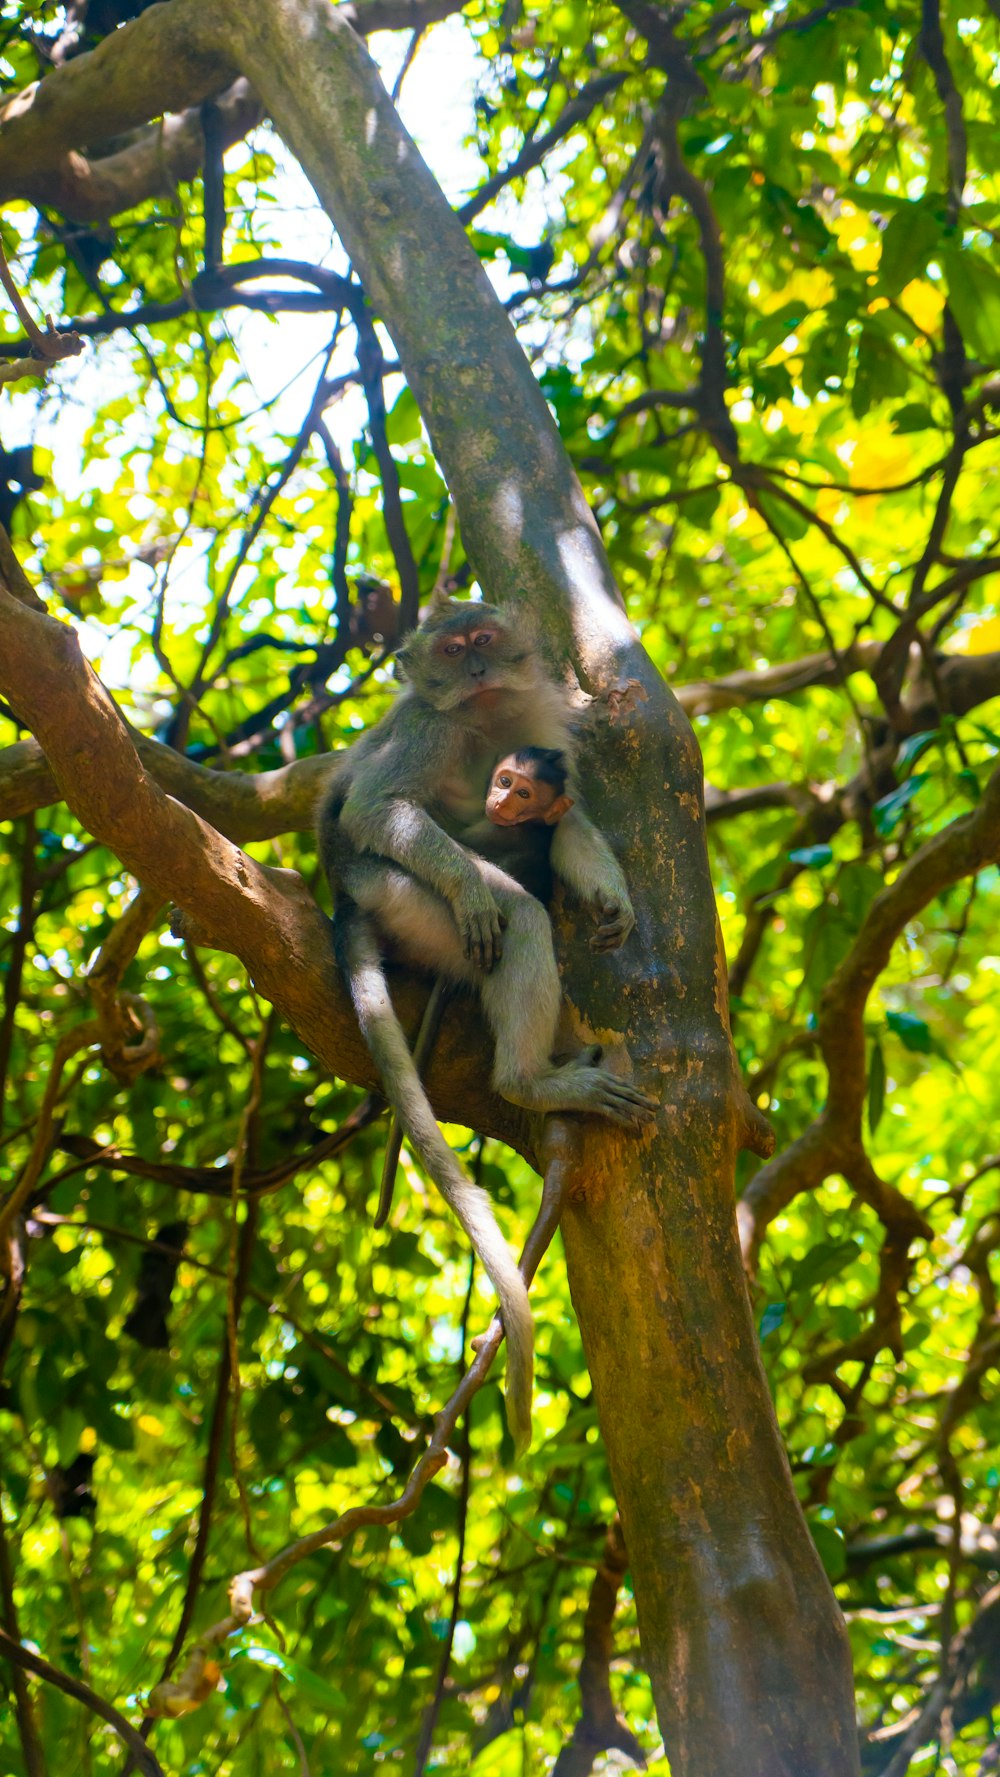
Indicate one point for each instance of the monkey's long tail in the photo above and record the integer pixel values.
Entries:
(361, 965)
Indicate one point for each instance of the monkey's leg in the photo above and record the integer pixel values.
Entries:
(521, 998)
(409, 911)
(430, 1024)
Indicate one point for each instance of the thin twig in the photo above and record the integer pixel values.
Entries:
(75, 1687)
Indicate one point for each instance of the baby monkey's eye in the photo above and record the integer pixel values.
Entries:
(525, 795)
(504, 780)
(482, 638)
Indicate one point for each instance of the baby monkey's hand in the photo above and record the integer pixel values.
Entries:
(616, 922)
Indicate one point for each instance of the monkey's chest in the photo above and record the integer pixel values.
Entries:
(456, 811)
(461, 793)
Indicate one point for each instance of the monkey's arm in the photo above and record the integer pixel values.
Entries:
(584, 861)
(383, 813)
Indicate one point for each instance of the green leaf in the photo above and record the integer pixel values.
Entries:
(876, 1086)
(915, 744)
(402, 425)
(913, 1032)
(974, 300)
(857, 886)
(889, 809)
(786, 522)
(826, 1260)
(702, 508)
(829, 1546)
(72, 1421)
(881, 372)
(908, 241)
(915, 1335)
(764, 879)
(827, 939)
(812, 856)
(309, 1685)
(913, 416)
(403, 1253)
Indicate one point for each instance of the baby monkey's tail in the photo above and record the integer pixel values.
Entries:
(361, 965)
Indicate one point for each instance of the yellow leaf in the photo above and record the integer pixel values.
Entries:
(923, 303)
(814, 288)
(880, 460)
(982, 638)
(828, 504)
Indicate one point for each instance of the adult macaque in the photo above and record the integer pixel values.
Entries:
(392, 835)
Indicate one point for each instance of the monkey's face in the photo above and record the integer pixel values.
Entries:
(468, 656)
(517, 795)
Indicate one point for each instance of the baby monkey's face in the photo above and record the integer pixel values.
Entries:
(517, 794)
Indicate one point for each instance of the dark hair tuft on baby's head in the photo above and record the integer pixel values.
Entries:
(547, 764)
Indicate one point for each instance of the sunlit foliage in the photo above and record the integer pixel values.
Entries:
(759, 290)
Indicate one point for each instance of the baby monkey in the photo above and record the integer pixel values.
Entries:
(529, 786)
(527, 789)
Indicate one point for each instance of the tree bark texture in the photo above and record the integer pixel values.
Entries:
(741, 1634)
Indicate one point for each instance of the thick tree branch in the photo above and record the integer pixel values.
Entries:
(266, 917)
(163, 65)
(171, 57)
(705, 696)
(162, 156)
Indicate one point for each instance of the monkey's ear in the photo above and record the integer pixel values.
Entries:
(555, 811)
(439, 601)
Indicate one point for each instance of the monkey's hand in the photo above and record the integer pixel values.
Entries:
(617, 920)
(480, 922)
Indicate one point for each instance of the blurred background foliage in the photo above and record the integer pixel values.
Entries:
(754, 266)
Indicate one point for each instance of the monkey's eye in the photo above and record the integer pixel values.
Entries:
(453, 648)
(525, 795)
(505, 781)
(482, 638)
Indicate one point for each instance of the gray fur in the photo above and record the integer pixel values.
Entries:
(392, 838)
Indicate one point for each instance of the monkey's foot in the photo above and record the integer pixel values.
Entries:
(580, 1085)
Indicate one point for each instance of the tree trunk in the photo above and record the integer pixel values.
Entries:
(741, 1634)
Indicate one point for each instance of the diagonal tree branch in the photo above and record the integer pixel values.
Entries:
(577, 109)
(266, 917)
(19, 1656)
(169, 58)
(164, 64)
